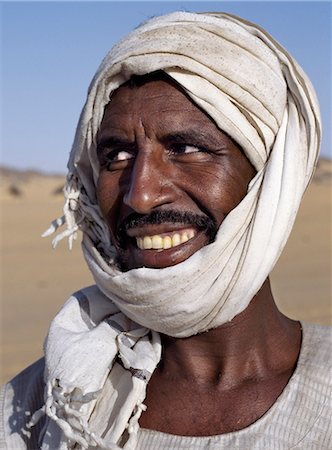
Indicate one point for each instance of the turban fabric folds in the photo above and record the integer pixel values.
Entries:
(255, 92)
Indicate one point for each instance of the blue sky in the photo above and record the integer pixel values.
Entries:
(50, 51)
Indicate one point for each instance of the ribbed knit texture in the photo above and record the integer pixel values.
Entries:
(300, 419)
(19, 399)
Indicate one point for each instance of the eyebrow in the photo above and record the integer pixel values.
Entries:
(191, 136)
(188, 136)
(113, 141)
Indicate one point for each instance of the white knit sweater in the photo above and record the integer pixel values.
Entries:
(300, 418)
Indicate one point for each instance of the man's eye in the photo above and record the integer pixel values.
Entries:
(114, 159)
(122, 155)
(180, 149)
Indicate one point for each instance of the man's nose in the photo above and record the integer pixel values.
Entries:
(149, 185)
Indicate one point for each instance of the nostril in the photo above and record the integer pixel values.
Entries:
(144, 198)
(139, 199)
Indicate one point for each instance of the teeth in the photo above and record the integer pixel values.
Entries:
(190, 234)
(184, 238)
(157, 242)
(176, 240)
(162, 243)
(167, 242)
(147, 242)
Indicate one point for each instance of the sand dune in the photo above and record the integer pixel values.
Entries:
(36, 280)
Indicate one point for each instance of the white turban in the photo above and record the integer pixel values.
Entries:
(255, 92)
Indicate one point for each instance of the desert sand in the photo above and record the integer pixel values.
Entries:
(36, 280)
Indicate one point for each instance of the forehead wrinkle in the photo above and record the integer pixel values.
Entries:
(140, 110)
(153, 90)
(191, 136)
(106, 132)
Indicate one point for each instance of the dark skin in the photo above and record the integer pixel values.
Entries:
(159, 152)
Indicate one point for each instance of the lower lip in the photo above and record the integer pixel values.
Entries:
(159, 258)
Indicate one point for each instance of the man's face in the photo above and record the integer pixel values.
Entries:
(168, 175)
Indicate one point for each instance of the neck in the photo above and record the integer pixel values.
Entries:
(257, 341)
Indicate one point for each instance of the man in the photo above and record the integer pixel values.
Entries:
(197, 140)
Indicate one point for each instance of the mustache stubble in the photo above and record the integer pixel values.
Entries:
(157, 217)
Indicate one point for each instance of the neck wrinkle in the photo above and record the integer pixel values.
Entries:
(245, 348)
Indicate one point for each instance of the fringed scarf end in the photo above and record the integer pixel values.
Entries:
(72, 192)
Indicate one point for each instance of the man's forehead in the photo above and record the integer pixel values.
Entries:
(155, 91)
(160, 99)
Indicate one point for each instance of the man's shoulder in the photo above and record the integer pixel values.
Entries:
(316, 355)
(20, 398)
(316, 342)
(313, 381)
(307, 401)
(32, 377)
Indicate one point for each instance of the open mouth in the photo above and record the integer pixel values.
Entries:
(161, 238)
(165, 241)
(159, 246)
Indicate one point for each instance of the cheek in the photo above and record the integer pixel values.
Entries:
(218, 188)
(108, 195)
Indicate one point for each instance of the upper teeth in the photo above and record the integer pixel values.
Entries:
(165, 241)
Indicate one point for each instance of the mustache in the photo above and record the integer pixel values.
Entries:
(157, 217)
